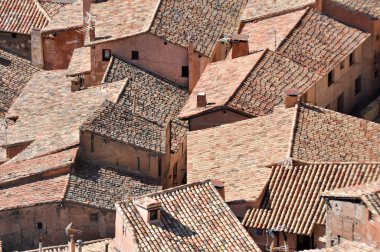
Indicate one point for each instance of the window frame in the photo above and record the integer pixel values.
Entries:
(135, 55)
(358, 85)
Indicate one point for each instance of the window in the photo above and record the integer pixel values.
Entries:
(14, 35)
(39, 225)
(153, 215)
(258, 232)
(175, 171)
(92, 143)
(352, 59)
(358, 85)
(341, 65)
(331, 78)
(340, 107)
(135, 55)
(138, 163)
(185, 71)
(106, 54)
(94, 217)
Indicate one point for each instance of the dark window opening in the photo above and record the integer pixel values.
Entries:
(185, 71)
(165, 43)
(14, 35)
(340, 107)
(94, 217)
(331, 78)
(352, 59)
(341, 65)
(106, 54)
(358, 85)
(153, 215)
(92, 143)
(135, 55)
(303, 242)
(39, 225)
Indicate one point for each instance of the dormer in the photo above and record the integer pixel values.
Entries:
(149, 209)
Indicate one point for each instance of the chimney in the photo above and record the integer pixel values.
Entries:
(291, 98)
(219, 186)
(37, 48)
(71, 244)
(201, 100)
(92, 31)
(149, 209)
(240, 45)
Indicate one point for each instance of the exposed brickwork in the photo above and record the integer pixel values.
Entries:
(293, 195)
(193, 217)
(314, 42)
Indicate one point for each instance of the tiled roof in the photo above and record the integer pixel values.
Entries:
(46, 100)
(102, 187)
(193, 218)
(269, 33)
(69, 17)
(34, 193)
(348, 246)
(15, 72)
(129, 18)
(292, 201)
(202, 22)
(87, 246)
(259, 9)
(178, 22)
(80, 62)
(238, 153)
(320, 43)
(324, 135)
(368, 7)
(369, 193)
(23, 169)
(51, 8)
(253, 85)
(117, 122)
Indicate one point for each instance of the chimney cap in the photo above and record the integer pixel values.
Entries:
(217, 183)
(148, 203)
(291, 92)
(239, 38)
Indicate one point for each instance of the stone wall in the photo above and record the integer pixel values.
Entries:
(19, 44)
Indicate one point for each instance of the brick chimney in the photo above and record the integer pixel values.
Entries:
(149, 209)
(201, 100)
(291, 98)
(219, 186)
(92, 31)
(240, 45)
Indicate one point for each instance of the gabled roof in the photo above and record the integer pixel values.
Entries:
(15, 72)
(46, 100)
(193, 218)
(238, 153)
(252, 85)
(180, 22)
(368, 7)
(262, 9)
(305, 133)
(20, 16)
(369, 193)
(86, 184)
(320, 43)
(292, 201)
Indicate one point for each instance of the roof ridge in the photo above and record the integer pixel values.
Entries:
(154, 15)
(39, 6)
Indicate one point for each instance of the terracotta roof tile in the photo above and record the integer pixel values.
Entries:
(102, 187)
(368, 7)
(292, 202)
(18, 170)
(51, 8)
(320, 43)
(259, 9)
(87, 246)
(348, 246)
(193, 218)
(15, 72)
(46, 100)
(269, 33)
(80, 62)
(238, 153)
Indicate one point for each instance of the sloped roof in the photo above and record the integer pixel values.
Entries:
(368, 7)
(348, 246)
(80, 62)
(179, 22)
(193, 218)
(261, 9)
(20, 16)
(15, 72)
(252, 85)
(293, 201)
(320, 43)
(87, 246)
(238, 153)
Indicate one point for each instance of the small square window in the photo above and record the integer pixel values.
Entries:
(331, 78)
(153, 215)
(341, 65)
(135, 55)
(185, 71)
(106, 54)
(358, 85)
(14, 35)
(39, 225)
(258, 232)
(94, 217)
(352, 59)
